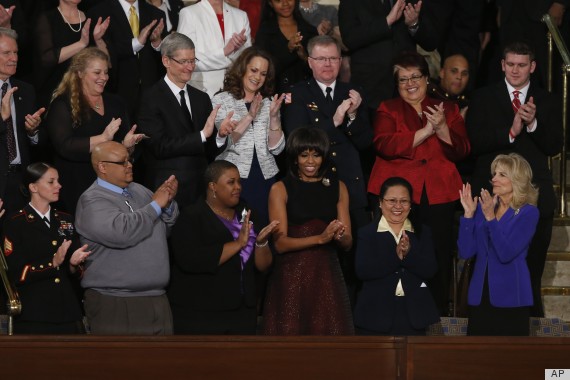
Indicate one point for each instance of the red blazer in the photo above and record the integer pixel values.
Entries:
(430, 163)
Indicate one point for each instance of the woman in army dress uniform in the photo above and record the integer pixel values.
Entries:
(36, 242)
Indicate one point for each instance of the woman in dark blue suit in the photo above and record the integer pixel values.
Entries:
(394, 261)
(497, 232)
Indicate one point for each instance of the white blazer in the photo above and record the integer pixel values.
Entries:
(199, 22)
(255, 136)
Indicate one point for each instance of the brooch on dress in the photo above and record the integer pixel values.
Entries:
(326, 182)
(243, 215)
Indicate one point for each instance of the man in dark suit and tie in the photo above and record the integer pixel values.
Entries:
(179, 120)
(515, 115)
(338, 109)
(133, 37)
(18, 125)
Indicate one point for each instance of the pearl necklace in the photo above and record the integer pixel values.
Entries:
(68, 23)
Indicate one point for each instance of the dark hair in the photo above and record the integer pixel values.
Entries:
(32, 174)
(215, 170)
(268, 12)
(519, 48)
(394, 181)
(233, 82)
(307, 138)
(408, 60)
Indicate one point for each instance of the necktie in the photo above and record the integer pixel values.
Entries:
(185, 110)
(126, 193)
(516, 101)
(134, 20)
(10, 138)
(328, 97)
(46, 221)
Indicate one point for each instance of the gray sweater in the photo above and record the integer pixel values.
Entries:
(129, 250)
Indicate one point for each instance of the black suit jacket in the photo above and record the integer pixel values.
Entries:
(174, 147)
(489, 120)
(47, 293)
(380, 269)
(197, 281)
(373, 44)
(25, 102)
(173, 13)
(309, 108)
(130, 73)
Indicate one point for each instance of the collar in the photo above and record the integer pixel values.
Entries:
(323, 87)
(127, 6)
(46, 215)
(174, 87)
(109, 186)
(523, 91)
(383, 226)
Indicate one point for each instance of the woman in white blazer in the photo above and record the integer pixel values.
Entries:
(220, 33)
(256, 135)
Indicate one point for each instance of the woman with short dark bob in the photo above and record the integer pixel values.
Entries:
(394, 259)
(37, 240)
(306, 293)
(497, 230)
(256, 136)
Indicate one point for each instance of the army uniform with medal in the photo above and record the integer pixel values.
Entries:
(50, 303)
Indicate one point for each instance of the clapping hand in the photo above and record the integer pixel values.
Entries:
(335, 228)
(211, 122)
(468, 202)
(228, 125)
(265, 232)
(132, 138)
(412, 13)
(111, 129)
(276, 102)
(403, 247)
(79, 256)
(488, 204)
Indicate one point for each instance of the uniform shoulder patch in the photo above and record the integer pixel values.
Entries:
(8, 248)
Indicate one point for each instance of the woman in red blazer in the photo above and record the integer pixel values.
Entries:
(419, 138)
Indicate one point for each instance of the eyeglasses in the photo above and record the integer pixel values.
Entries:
(413, 78)
(122, 163)
(186, 62)
(322, 60)
(393, 202)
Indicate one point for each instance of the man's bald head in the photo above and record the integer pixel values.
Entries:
(454, 74)
(110, 162)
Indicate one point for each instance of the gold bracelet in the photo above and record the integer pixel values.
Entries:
(276, 129)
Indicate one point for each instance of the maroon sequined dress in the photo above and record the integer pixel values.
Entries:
(306, 293)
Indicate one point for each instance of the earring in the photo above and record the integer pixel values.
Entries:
(214, 194)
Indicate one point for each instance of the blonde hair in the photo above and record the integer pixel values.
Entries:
(70, 85)
(518, 170)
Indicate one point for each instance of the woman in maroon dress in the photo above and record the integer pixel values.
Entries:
(307, 294)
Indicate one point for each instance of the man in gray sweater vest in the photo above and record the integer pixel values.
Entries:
(126, 227)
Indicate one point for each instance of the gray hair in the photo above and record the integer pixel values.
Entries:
(324, 40)
(174, 42)
(9, 33)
